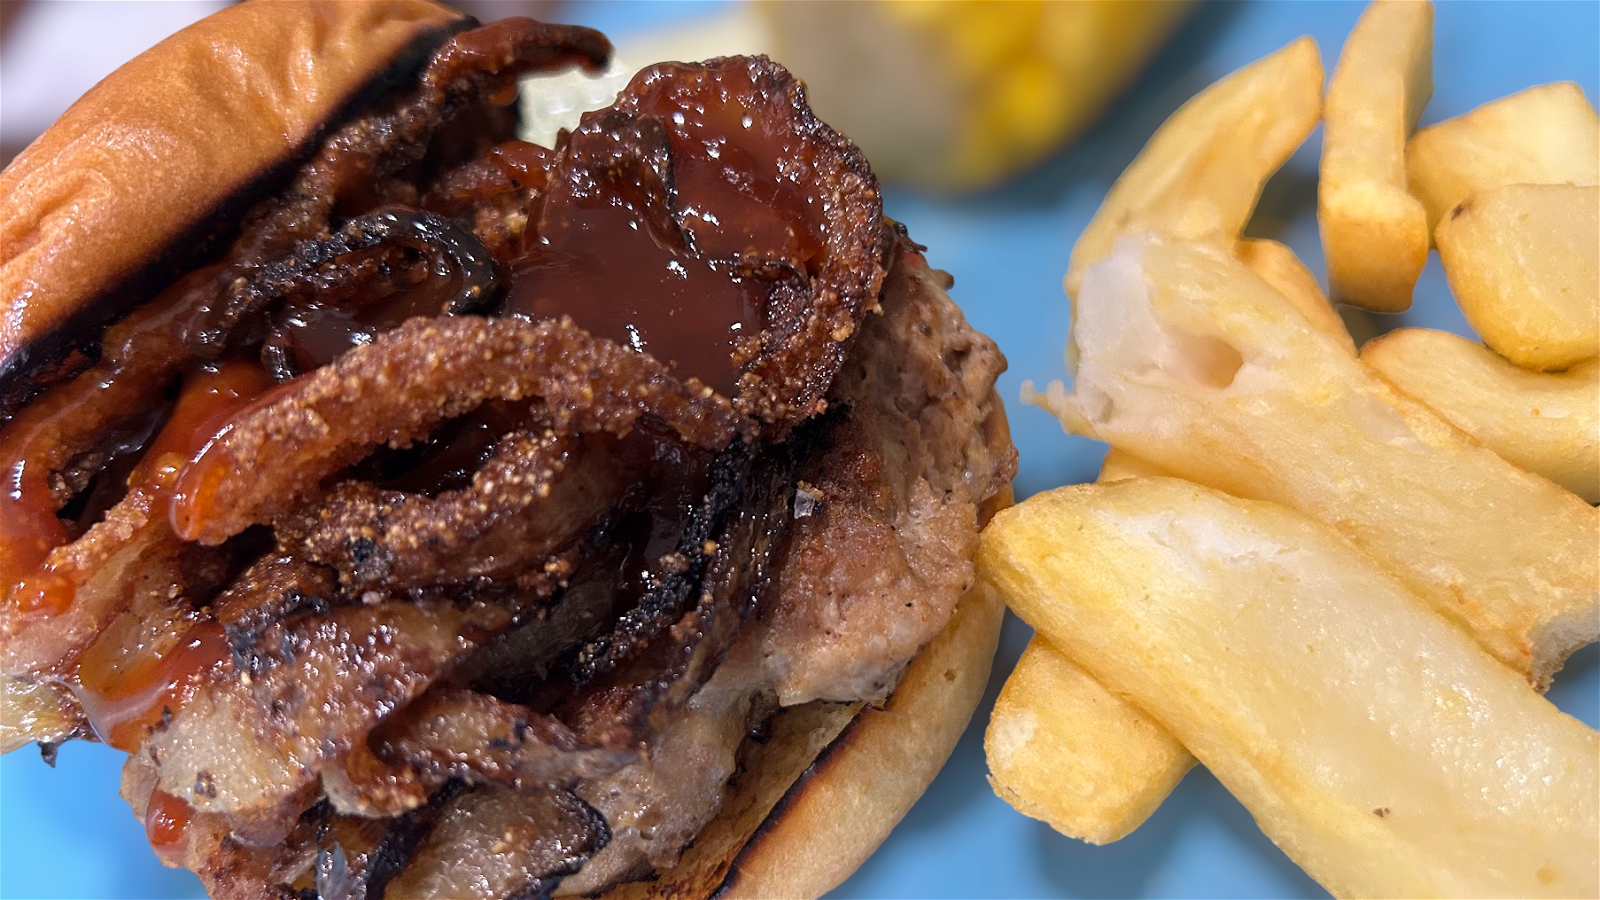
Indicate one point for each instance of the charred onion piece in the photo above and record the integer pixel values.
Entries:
(533, 495)
(358, 857)
(676, 575)
(508, 48)
(456, 733)
(253, 748)
(499, 844)
(265, 594)
(636, 700)
(397, 389)
(39, 711)
(314, 268)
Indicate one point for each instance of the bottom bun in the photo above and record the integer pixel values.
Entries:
(833, 779)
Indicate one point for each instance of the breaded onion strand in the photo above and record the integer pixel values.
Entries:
(397, 389)
(534, 495)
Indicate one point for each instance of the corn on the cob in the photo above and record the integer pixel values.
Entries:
(958, 95)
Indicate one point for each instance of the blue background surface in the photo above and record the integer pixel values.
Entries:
(64, 833)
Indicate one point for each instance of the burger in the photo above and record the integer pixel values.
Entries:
(430, 513)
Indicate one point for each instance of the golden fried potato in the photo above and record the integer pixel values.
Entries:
(1068, 752)
(1188, 360)
(1278, 266)
(1524, 264)
(1374, 233)
(1547, 134)
(1374, 742)
(1548, 423)
(1064, 750)
(1120, 464)
(1201, 174)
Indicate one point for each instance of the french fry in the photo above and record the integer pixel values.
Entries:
(1524, 264)
(1188, 360)
(1547, 134)
(1548, 423)
(1376, 744)
(1065, 750)
(1120, 464)
(1202, 172)
(1374, 233)
(1278, 266)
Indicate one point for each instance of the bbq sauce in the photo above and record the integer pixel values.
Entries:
(166, 823)
(29, 530)
(29, 527)
(608, 253)
(742, 173)
(211, 399)
(126, 691)
(669, 222)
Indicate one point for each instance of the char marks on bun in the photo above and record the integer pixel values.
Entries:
(433, 513)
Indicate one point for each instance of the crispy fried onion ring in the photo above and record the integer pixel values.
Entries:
(534, 495)
(509, 48)
(397, 389)
(817, 179)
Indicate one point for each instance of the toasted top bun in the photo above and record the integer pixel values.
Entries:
(206, 122)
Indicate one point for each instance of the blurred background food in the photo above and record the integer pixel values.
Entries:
(1005, 245)
(948, 95)
(968, 92)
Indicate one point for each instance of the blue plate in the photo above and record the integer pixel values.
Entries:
(64, 833)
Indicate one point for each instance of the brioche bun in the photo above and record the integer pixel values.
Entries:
(153, 166)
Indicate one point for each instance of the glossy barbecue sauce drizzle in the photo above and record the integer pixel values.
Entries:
(123, 700)
(29, 530)
(166, 823)
(125, 693)
(130, 377)
(666, 226)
